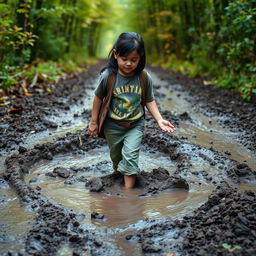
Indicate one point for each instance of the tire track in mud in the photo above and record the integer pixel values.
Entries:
(55, 225)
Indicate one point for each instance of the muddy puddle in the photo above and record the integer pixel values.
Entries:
(120, 207)
(15, 221)
(204, 151)
(121, 211)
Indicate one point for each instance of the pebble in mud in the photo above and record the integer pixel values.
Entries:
(59, 171)
(96, 215)
(62, 172)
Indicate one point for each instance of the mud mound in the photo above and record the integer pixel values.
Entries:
(73, 175)
(157, 180)
(225, 223)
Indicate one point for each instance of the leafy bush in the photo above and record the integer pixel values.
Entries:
(224, 48)
(237, 50)
(15, 43)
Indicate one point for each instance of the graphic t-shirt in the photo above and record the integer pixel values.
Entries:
(126, 98)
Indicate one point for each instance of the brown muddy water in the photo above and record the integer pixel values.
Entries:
(123, 210)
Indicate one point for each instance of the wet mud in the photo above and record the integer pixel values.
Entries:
(224, 223)
(240, 116)
(153, 182)
(29, 115)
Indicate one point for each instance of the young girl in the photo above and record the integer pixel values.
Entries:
(127, 60)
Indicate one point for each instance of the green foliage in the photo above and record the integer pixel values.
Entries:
(229, 247)
(5, 78)
(15, 43)
(53, 31)
(237, 50)
(178, 65)
(39, 74)
(238, 34)
(47, 71)
(14, 40)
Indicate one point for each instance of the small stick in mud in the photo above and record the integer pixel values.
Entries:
(80, 141)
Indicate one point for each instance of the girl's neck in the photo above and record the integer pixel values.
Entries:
(125, 75)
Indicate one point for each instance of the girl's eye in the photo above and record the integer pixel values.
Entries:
(132, 60)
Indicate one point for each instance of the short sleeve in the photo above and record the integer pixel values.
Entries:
(101, 89)
(149, 95)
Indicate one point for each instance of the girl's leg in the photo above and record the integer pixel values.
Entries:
(124, 146)
(115, 143)
(129, 180)
(130, 156)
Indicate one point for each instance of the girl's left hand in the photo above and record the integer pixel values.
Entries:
(93, 129)
(166, 126)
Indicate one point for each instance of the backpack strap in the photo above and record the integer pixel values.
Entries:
(143, 84)
(105, 104)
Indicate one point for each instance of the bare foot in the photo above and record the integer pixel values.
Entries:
(129, 180)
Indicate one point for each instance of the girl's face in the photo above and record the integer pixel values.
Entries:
(127, 64)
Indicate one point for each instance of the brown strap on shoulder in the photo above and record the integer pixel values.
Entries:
(105, 104)
(143, 84)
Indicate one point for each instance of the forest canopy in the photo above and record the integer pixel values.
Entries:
(210, 38)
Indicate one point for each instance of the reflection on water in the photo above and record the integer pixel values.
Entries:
(14, 222)
(243, 187)
(124, 207)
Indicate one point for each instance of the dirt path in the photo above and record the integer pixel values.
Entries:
(227, 217)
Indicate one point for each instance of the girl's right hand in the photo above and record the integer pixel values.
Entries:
(93, 129)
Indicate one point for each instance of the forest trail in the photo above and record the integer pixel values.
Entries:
(44, 139)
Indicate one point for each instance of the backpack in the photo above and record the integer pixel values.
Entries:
(106, 101)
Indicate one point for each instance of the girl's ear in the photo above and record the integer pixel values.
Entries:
(115, 53)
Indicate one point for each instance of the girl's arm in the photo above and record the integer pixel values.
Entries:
(93, 126)
(165, 125)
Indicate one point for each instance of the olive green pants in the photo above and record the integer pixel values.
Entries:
(124, 145)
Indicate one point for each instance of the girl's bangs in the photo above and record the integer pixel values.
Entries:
(127, 47)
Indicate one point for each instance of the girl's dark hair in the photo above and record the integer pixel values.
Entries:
(126, 43)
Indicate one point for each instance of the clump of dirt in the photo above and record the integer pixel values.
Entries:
(73, 175)
(157, 180)
(225, 223)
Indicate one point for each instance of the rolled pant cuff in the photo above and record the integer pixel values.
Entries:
(128, 170)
